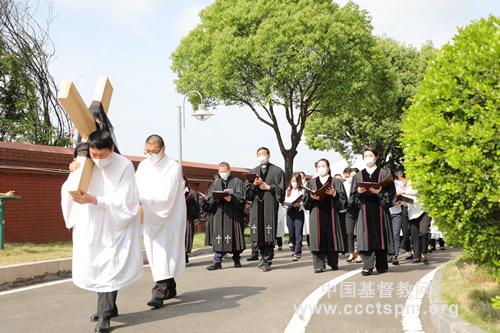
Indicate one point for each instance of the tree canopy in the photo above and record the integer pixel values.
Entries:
(283, 57)
(451, 139)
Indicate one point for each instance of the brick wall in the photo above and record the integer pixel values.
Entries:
(37, 173)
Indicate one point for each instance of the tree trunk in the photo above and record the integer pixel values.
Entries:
(289, 157)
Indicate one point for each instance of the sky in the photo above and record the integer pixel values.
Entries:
(130, 41)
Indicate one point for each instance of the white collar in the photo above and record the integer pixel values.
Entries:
(370, 170)
(323, 179)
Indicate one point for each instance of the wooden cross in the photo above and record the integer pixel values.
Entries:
(228, 238)
(253, 228)
(268, 228)
(218, 239)
(83, 120)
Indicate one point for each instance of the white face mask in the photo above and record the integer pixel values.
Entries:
(370, 161)
(322, 171)
(224, 175)
(103, 162)
(155, 158)
(294, 184)
(263, 159)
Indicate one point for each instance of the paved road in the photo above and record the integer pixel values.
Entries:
(231, 300)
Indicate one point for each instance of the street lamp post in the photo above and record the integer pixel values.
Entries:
(201, 113)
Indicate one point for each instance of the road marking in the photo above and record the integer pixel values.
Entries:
(411, 312)
(53, 283)
(299, 321)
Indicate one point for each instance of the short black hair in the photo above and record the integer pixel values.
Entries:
(225, 164)
(264, 148)
(355, 170)
(155, 139)
(100, 139)
(337, 174)
(373, 150)
(347, 170)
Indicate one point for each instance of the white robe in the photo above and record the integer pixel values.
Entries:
(161, 191)
(107, 253)
(281, 227)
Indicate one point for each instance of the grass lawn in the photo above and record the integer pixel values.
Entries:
(472, 288)
(16, 253)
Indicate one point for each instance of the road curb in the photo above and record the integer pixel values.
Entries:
(34, 269)
(443, 320)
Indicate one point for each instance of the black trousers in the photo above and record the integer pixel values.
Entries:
(106, 304)
(279, 241)
(267, 253)
(433, 243)
(163, 288)
(374, 258)
(419, 229)
(255, 248)
(320, 259)
(405, 227)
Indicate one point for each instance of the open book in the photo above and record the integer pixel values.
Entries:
(219, 195)
(250, 177)
(406, 198)
(320, 192)
(293, 201)
(385, 183)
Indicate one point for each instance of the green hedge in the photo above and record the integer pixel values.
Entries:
(451, 140)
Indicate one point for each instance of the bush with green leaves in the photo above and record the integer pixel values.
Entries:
(451, 138)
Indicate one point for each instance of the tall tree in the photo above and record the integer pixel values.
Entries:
(374, 119)
(27, 43)
(282, 57)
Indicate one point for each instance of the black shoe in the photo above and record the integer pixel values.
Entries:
(280, 248)
(214, 266)
(417, 261)
(253, 257)
(442, 248)
(409, 257)
(95, 316)
(155, 303)
(335, 268)
(266, 268)
(366, 272)
(103, 325)
(187, 259)
(170, 294)
(319, 270)
(237, 263)
(395, 262)
(381, 270)
(425, 260)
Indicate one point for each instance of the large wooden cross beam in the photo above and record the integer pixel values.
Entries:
(85, 123)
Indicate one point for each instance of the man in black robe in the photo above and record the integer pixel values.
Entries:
(210, 211)
(193, 213)
(228, 217)
(266, 192)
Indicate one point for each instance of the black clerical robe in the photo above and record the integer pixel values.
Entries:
(326, 234)
(228, 217)
(192, 212)
(265, 204)
(373, 219)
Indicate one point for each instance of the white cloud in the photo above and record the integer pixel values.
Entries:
(187, 19)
